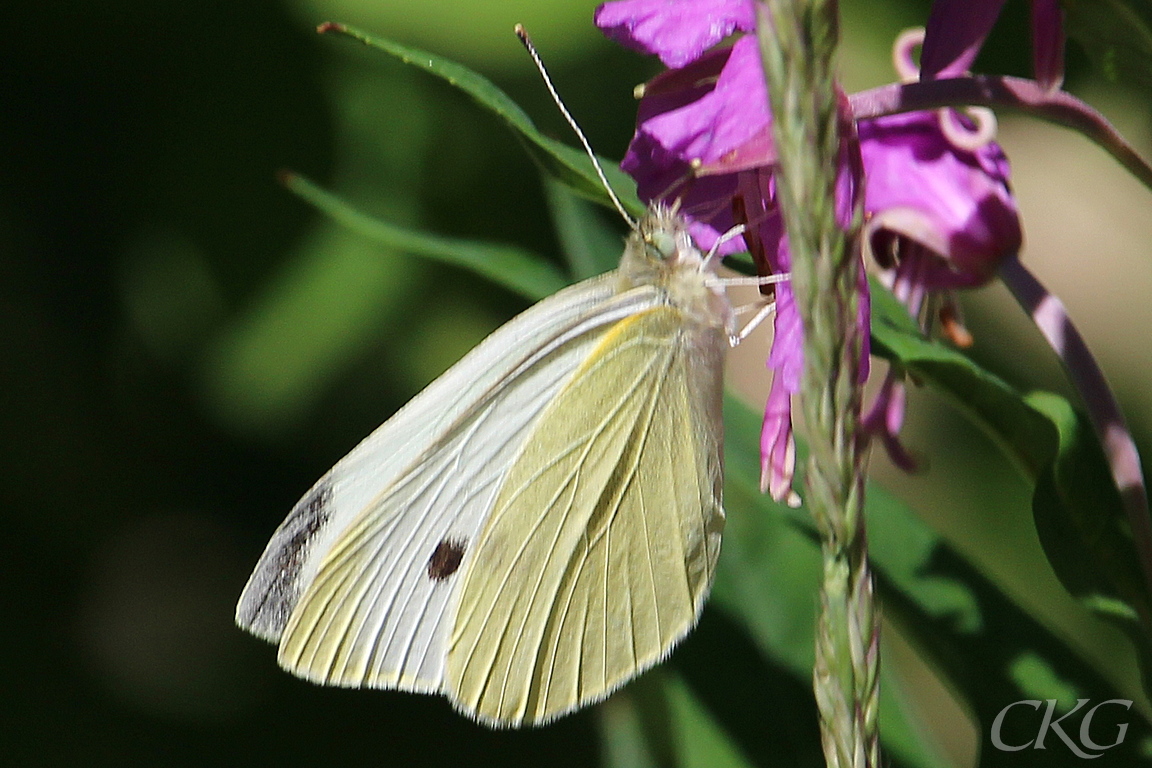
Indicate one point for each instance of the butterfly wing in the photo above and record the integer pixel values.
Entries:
(603, 541)
(358, 582)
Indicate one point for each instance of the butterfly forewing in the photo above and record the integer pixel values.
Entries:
(603, 539)
(347, 584)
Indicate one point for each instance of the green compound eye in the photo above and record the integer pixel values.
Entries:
(662, 245)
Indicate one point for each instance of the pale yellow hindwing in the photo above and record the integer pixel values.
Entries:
(603, 541)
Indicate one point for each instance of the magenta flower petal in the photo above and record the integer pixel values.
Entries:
(787, 354)
(955, 201)
(952, 38)
(778, 446)
(1048, 43)
(703, 125)
(677, 31)
(698, 114)
(886, 418)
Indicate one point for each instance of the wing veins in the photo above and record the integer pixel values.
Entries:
(588, 442)
(378, 583)
(580, 559)
(571, 481)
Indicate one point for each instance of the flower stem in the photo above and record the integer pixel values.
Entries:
(810, 120)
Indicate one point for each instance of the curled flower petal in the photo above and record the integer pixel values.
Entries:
(972, 132)
(678, 31)
(955, 201)
(903, 54)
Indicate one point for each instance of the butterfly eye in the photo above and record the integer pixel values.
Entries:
(661, 245)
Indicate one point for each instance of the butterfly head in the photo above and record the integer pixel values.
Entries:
(661, 244)
(661, 254)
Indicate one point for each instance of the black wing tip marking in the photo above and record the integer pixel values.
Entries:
(310, 515)
(276, 577)
(446, 559)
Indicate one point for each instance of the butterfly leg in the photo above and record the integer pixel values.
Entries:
(766, 310)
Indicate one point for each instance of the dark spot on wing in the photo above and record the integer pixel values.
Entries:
(445, 559)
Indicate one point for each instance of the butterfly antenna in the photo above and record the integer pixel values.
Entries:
(523, 35)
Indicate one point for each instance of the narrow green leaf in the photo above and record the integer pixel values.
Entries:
(525, 273)
(560, 161)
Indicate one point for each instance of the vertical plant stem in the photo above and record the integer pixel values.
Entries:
(798, 44)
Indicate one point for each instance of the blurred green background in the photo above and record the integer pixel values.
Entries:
(187, 346)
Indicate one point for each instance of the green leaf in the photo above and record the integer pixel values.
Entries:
(988, 650)
(1091, 551)
(560, 161)
(1117, 34)
(525, 273)
(1077, 508)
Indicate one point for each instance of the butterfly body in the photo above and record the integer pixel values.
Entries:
(541, 523)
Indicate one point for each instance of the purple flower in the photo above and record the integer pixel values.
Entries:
(663, 28)
(957, 28)
(939, 212)
(932, 180)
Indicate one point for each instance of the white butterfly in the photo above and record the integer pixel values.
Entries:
(540, 524)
